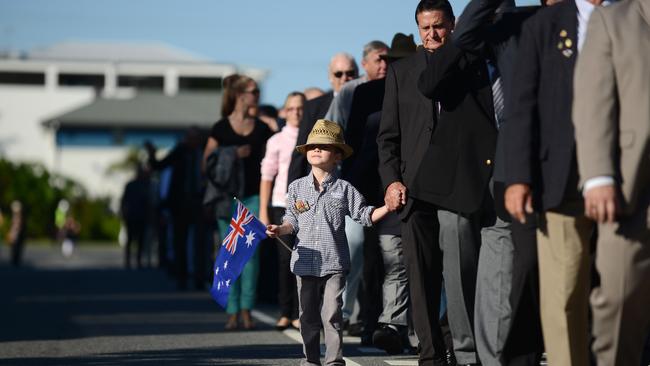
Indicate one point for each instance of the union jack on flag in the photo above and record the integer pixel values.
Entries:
(237, 223)
(239, 244)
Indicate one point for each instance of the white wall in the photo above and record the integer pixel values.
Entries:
(23, 109)
(24, 139)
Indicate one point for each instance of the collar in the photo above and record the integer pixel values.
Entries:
(584, 8)
(327, 182)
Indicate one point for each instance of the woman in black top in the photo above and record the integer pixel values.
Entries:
(249, 134)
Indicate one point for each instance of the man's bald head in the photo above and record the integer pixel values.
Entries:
(342, 68)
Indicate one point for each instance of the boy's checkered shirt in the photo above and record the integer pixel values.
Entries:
(318, 218)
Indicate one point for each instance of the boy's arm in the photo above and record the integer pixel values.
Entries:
(378, 213)
(290, 214)
(357, 208)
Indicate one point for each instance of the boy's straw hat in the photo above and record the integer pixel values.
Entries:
(326, 133)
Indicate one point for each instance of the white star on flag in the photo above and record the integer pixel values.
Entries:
(225, 264)
(216, 271)
(227, 283)
(249, 238)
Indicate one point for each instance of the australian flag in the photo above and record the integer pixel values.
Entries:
(244, 233)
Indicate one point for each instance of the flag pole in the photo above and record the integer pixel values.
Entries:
(284, 244)
(280, 240)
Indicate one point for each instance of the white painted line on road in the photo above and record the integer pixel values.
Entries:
(370, 350)
(351, 340)
(291, 333)
(267, 319)
(402, 362)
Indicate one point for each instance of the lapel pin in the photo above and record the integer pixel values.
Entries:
(567, 53)
(559, 45)
(568, 43)
(301, 206)
(563, 33)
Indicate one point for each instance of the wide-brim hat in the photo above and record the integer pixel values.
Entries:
(401, 46)
(326, 133)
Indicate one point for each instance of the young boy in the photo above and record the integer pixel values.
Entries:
(316, 208)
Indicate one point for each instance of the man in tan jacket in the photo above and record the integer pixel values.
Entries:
(611, 113)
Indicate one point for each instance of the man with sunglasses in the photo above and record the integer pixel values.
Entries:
(375, 68)
(342, 68)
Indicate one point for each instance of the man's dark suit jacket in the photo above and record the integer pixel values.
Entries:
(361, 134)
(541, 145)
(480, 31)
(313, 110)
(406, 124)
(457, 165)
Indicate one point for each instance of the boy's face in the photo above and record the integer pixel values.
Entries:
(323, 156)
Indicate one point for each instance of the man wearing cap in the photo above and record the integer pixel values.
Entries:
(361, 170)
(492, 28)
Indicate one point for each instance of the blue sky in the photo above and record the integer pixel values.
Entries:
(293, 39)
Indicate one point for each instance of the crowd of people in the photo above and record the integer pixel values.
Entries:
(507, 156)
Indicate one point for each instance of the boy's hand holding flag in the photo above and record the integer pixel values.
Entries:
(244, 234)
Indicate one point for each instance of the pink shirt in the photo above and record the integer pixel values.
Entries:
(276, 162)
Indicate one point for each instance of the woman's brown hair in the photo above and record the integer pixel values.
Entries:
(233, 86)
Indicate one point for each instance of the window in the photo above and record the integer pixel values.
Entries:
(95, 80)
(23, 78)
(187, 83)
(84, 137)
(141, 82)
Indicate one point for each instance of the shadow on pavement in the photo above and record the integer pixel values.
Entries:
(196, 357)
(37, 304)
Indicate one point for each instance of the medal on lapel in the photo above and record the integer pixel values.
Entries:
(565, 44)
(301, 206)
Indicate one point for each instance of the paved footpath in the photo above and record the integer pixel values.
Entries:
(87, 310)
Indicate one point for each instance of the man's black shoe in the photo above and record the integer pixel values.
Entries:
(355, 330)
(388, 338)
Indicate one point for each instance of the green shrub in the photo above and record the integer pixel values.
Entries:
(39, 192)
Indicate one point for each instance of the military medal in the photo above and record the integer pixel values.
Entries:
(301, 206)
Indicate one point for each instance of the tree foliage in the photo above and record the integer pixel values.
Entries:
(40, 191)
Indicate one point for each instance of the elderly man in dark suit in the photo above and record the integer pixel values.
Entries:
(542, 174)
(507, 273)
(342, 68)
(434, 166)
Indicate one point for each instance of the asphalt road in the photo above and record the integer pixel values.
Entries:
(87, 310)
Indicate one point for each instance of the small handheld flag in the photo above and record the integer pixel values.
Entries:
(244, 234)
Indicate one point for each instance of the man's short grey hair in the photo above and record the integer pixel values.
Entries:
(374, 46)
(345, 55)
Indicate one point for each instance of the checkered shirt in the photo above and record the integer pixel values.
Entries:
(318, 218)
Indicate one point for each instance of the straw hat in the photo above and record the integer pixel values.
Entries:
(326, 133)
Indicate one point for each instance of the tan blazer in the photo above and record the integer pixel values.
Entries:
(611, 105)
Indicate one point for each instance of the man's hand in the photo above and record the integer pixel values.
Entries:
(395, 197)
(601, 204)
(519, 201)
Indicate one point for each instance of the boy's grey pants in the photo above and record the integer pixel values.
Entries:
(321, 300)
